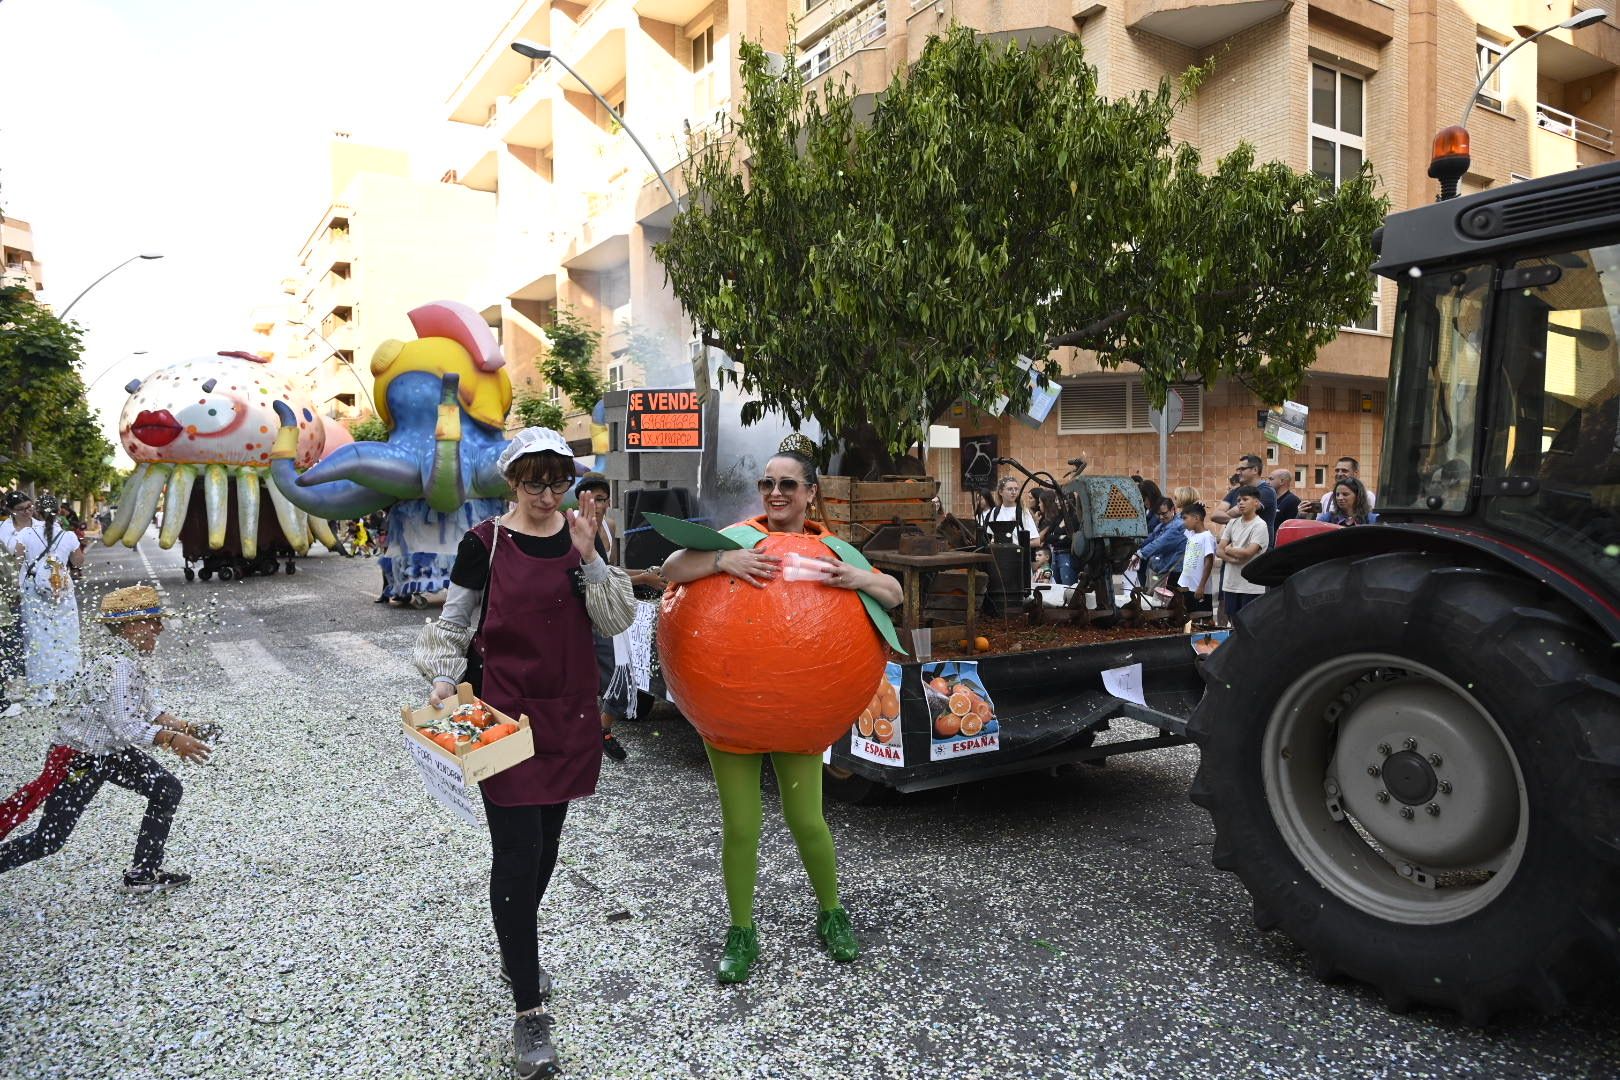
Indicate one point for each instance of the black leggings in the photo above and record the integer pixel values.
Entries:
(129, 769)
(524, 840)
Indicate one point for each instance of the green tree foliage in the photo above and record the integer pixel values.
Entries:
(532, 410)
(570, 364)
(996, 205)
(48, 435)
(371, 429)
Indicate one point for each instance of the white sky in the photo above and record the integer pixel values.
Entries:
(199, 129)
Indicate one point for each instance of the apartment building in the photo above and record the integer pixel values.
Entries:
(1318, 84)
(386, 243)
(18, 266)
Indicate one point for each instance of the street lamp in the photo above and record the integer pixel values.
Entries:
(345, 361)
(1526, 36)
(102, 278)
(541, 52)
(91, 385)
(1452, 153)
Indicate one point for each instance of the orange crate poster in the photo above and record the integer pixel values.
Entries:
(960, 708)
(875, 735)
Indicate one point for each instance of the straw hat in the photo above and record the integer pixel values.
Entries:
(128, 605)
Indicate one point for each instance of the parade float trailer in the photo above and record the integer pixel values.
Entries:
(1410, 746)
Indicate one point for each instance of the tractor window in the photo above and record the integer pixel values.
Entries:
(1434, 390)
(1556, 414)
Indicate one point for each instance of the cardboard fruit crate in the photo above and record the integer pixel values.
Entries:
(479, 763)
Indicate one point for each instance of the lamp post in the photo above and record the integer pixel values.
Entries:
(102, 278)
(337, 352)
(1526, 36)
(1452, 153)
(541, 52)
(91, 385)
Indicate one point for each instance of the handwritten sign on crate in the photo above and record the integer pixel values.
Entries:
(664, 420)
(443, 781)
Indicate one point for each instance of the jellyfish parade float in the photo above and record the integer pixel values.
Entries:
(211, 422)
(444, 399)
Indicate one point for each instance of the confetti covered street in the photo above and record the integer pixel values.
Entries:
(338, 923)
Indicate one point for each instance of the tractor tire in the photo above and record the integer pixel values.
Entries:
(1414, 768)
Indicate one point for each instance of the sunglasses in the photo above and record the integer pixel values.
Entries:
(786, 485)
(535, 487)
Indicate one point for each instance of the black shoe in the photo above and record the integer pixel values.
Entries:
(545, 981)
(140, 882)
(532, 1052)
(383, 599)
(612, 747)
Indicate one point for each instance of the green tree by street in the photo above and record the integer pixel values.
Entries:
(48, 435)
(994, 206)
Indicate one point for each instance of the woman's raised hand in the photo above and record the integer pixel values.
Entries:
(584, 525)
(754, 567)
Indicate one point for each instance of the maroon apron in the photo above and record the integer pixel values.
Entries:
(540, 660)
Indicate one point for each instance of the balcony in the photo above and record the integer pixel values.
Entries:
(1200, 23)
(499, 70)
(848, 28)
(674, 12)
(1575, 128)
(526, 119)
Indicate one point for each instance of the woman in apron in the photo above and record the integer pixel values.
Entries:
(47, 554)
(525, 590)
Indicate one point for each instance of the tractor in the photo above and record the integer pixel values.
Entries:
(1410, 746)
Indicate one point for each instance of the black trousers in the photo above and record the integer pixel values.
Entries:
(524, 842)
(129, 769)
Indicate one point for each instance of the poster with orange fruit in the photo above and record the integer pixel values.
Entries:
(875, 735)
(963, 716)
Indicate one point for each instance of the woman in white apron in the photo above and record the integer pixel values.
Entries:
(50, 610)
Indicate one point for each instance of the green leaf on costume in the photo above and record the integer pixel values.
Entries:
(745, 535)
(691, 535)
(874, 610)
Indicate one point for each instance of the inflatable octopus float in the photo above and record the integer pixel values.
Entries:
(444, 398)
(211, 422)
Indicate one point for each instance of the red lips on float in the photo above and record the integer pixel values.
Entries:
(155, 428)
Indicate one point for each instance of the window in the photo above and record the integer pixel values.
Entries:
(1299, 475)
(1319, 476)
(702, 49)
(1338, 123)
(1338, 142)
(1489, 52)
(1271, 453)
(817, 60)
(615, 374)
(553, 395)
(1320, 444)
(1104, 406)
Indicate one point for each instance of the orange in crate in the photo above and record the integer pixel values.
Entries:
(785, 668)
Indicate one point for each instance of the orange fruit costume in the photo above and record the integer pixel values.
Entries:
(785, 668)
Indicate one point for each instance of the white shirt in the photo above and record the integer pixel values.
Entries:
(114, 705)
(1025, 519)
(1200, 546)
(1238, 534)
(35, 565)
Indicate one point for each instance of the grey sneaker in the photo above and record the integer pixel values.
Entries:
(545, 981)
(532, 1052)
(140, 882)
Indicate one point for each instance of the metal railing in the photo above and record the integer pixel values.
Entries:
(1574, 127)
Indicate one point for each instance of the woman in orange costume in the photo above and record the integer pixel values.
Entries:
(788, 489)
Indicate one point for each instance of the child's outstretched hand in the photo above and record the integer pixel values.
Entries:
(189, 748)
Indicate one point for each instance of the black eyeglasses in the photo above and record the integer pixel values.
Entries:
(786, 485)
(535, 487)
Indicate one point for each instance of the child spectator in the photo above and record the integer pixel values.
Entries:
(1198, 562)
(112, 712)
(1244, 537)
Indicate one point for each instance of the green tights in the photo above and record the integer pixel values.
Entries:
(742, 815)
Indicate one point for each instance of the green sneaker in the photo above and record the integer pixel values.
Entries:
(742, 949)
(837, 936)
